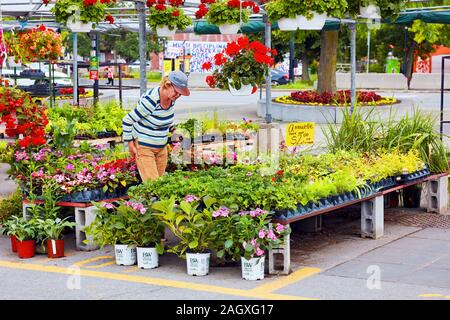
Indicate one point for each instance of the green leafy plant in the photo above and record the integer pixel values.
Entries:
(127, 223)
(53, 228)
(227, 12)
(11, 205)
(189, 223)
(94, 11)
(22, 229)
(172, 17)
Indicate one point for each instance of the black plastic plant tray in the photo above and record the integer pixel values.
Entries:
(405, 178)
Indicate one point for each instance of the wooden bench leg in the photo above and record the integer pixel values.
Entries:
(372, 218)
(285, 250)
(438, 195)
(83, 218)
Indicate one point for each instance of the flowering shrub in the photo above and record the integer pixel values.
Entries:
(240, 63)
(128, 223)
(41, 44)
(83, 10)
(69, 91)
(226, 11)
(12, 45)
(161, 14)
(22, 117)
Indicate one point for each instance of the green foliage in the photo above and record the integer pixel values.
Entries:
(190, 224)
(21, 228)
(160, 18)
(53, 228)
(65, 9)
(124, 224)
(11, 206)
(220, 13)
(291, 8)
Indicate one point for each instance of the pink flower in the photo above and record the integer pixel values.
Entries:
(261, 234)
(249, 174)
(222, 212)
(108, 205)
(259, 252)
(190, 198)
(70, 167)
(253, 242)
(271, 235)
(279, 227)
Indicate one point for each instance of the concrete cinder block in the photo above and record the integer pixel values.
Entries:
(438, 195)
(83, 218)
(285, 250)
(372, 218)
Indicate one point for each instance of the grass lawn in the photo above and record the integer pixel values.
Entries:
(299, 84)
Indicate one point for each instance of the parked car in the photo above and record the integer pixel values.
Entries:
(279, 77)
(34, 75)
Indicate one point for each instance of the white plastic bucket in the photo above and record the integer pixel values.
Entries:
(78, 26)
(197, 263)
(125, 254)
(147, 258)
(253, 269)
(229, 28)
(287, 24)
(165, 32)
(245, 90)
(316, 23)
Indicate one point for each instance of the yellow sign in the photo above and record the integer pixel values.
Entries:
(300, 133)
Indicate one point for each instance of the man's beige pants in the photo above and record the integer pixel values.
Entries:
(151, 162)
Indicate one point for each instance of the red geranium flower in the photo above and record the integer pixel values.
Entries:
(219, 59)
(243, 42)
(232, 49)
(160, 7)
(109, 18)
(254, 89)
(211, 81)
(207, 66)
(176, 13)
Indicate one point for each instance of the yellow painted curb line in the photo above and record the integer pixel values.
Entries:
(149, 280)
(286, 280)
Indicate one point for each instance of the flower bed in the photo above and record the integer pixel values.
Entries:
(340, 98)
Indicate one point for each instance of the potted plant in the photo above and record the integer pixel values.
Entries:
(228, 15)
(240, 67)
(41, 43)
(118, 224)
(284, 13)
(79, 15)
(14, 49)
(166, 19)
(251, 238)
(192, 226)
(25, 232)
(53, 229)
(8, 228)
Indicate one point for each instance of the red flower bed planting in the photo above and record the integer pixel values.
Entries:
(340, 97)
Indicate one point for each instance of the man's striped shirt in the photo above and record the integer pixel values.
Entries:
(149, 122)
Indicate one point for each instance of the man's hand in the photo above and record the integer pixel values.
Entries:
(132, 149)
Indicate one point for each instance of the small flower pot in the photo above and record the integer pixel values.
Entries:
(245, 90)
(253, 269)
(316, 23)
(125, 254)
(287, 24)
(147, 258)
(55, 248)
(25, 249)
(13, 244)
(197, 263)
(229, 28)
(165, 32)
(78, 26)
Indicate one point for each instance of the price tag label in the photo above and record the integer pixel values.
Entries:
(93, 66)
(300, 133)
(93, 75)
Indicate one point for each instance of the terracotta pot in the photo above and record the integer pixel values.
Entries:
(55, 248)
(25, 249)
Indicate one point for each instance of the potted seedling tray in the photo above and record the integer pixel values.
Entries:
(405, 178)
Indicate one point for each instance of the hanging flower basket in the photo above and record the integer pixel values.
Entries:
(79, 26)
(287, 24)
(229, 28)
(370, 12)
(165, 31)
(316, 23)
(245, 90)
